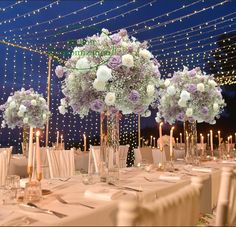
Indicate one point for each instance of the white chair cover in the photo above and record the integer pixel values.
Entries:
(5, 156)
(123, 152)
(61, 163)
(226, 207)
(157, 156)
(94, 159)
(181, 208)
(146, 155)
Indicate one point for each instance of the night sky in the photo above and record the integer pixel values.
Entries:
(172, 26)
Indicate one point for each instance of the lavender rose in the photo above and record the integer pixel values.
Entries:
(59, 71)
(114, 62)
(192, 88)
(134, 96)
(97, 105)
(115, 38)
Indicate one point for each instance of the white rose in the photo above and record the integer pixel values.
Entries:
(42, 100)
(158, 118)
(26, 120)
(83, 65)
(182, 103)
(9, 99)
(44, 116)
(189, 112)
(3, 125)
(212, 83)
(63, 102)
(62, 109)
(185, 95)
(201, 87)
(33, 102)
(167, 82)
(128, 60)
(215, 106)
(147, 113)
(22, 108)
(105, 31)
(124, 44)
(150, 90)
(110, 98)
(20, 114)
(104, 73)
(12, 104)
(99, 85)
(171, 90)
(145, 54)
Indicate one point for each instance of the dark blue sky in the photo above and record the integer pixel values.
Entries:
(174, 25)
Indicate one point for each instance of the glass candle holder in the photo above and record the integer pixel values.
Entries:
(33, 191)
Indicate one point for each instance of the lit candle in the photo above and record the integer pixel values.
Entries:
(154, 142)
(211, 141)
(61, 141)
(160, 135)
(219, 138)
(228, 144)
(181, 139)
(202, 144)
(150, 141)
(201, 138)
(187, 143)
(38, 158)
(30, 154)
(85, 145)
(208, 139)
(57, 138)
(234, 137)
(171, 141)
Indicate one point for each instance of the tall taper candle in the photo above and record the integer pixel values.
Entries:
(219, 139)
(62, 142)
(57, 139)
(171, 141)
(150, 141)
(85, 144)
(30, 154)
(160, 135)
(208, 139)
(181, 139)
(211, 141)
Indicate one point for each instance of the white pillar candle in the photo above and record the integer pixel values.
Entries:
(38, 157)
(160, 135)
(211, 141)
(57, 139)
(171, 141)
(30, 154)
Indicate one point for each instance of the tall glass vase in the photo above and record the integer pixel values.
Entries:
(190, 138)
(109, 146)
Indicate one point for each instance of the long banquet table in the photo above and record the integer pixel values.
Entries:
(105, 211)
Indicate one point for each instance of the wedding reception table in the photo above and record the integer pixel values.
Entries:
(104, 212)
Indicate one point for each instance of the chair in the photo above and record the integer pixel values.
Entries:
(146, 154)
(226, 206)
(5, 157)
(180, 208)
(61, 163)
(123, 152)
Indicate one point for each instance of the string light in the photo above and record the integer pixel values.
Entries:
(12, 5)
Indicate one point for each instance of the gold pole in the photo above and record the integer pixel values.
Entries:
(48, 95)
(139, 130)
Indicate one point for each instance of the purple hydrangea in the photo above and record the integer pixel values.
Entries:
(97, 105)
(134, 96)
(115, 38)
(192, 88)
(114, 62)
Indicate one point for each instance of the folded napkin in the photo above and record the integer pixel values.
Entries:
(169, 177)
(202, 169)
(228, 162)
(105, 194)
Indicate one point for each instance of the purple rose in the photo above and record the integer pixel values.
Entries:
(180, 116)
(114, 62)
(59, 71)
(192, 88)
(134, 96)
(115, 38)
(192, 72)
(205, 110)
(123, 32)
(97, 105)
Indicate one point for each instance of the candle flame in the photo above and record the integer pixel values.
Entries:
(38, 133)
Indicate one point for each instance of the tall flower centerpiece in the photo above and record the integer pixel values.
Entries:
(190, 96)
(25, 108)
(110, 73)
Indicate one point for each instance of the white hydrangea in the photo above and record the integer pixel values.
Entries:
(104, 73)
(99, 85)
(167, 82)
(12, 104)
(201, 87)
(145, 54)
(128, 60)
(215, 106)
(110, 98)
(9, 99)
(185, 95)
(22, 108)
(171, 90)
(44, 116)
(212, 83)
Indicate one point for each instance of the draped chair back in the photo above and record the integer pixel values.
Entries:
(180, 208)
(146, 154)
(226, 206)
(123, 152)
(5, 157)
(61, 163)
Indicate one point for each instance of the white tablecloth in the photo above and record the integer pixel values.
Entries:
(105, 211)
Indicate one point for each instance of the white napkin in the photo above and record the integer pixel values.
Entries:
(202, 169)
(105, 194)
(228, 162)
(169, 177)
